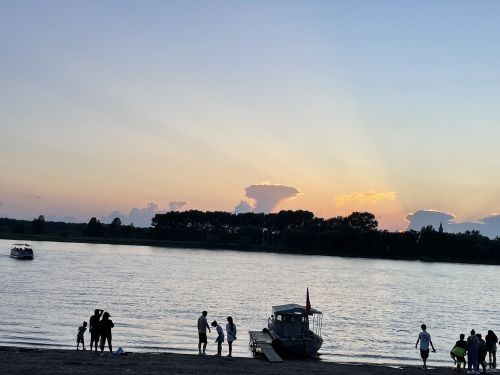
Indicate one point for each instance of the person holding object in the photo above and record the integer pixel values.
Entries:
(425, 339)
(458, 352)
(220, 337)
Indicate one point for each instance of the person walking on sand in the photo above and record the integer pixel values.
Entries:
(94, 328)
(424, 338)
(491, 346)
(220, 337)
(473, 352)
(458, 352)
(79, 336)
(231, 334)
(105, 329)
(202, 332)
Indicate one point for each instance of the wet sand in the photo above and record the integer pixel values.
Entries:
(14, 360)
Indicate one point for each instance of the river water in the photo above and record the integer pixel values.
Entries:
(372, 309)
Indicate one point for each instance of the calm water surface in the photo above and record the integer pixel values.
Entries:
(372, 308)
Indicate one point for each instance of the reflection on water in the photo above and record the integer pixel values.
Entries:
(372, 309)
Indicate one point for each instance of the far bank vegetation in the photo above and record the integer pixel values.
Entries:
(356, 235)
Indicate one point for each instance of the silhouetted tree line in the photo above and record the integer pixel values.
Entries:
(291, 231)
(299, 231)
(94, 228)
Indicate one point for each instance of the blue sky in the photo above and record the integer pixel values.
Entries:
(381, 106)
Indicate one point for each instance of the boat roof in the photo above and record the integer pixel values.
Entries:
(22, 244)
(293, 308)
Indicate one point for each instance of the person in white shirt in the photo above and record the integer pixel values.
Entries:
(231, 334)
(220, 337)
(425, 339)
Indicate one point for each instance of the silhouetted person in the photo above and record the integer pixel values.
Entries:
(79, 336)
(105, 326)
(458, 352)
(94, 328)
(473, 351)
(202, 332)
(220, 337)
(482, 352)
(491, 346)
(231, 334)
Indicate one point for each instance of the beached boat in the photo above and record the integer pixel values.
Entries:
(296, 330)
(21, 251)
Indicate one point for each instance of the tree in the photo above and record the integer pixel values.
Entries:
(362, 221)
(38, 225)
(115, 227)
(94, 228)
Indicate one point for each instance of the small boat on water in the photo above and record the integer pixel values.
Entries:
(296, 330)
(21, 251)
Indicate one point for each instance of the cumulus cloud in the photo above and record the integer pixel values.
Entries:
(243, 207)
(423, 218)
(177, 206)
(141, 217)
(363, 197)
(488, 226)
(268, 197)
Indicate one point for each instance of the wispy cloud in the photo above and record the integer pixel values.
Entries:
(364, 197)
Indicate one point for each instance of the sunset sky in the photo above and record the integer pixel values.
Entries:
(390, 107)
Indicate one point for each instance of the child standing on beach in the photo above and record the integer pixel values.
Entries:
(79, 336)
(220, 338)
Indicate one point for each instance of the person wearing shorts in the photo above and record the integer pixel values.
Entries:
(458, 352)
(202, 332)
(425, 340)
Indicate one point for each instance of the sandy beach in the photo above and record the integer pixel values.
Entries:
(15, 360)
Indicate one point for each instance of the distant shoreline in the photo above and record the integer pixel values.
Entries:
(17, 360)
(203, 246)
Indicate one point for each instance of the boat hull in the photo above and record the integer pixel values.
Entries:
(22, 256)
(297, 348)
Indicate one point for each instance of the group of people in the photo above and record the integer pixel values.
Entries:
(100, 331)
(202, 334)
(476, 348)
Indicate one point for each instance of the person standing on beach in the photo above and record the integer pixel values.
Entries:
(425, 339)
(94, 328)
(482, 352)
(231, 334)
(202, 332)
(220, 337)
(79, 336)
(491, 347)
(105, 330)
(473, 352)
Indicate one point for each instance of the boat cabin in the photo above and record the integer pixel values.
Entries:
(291, 321)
